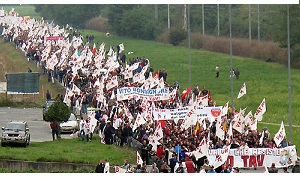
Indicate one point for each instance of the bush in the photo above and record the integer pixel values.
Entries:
(177, 36)
(6, 103)
(98, 24)
(58, 111)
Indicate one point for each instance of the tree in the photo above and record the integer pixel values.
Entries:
(58, 112)
(74, 14)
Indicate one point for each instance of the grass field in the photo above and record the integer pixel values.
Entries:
(23, 10)
(263, 80)
(70, 151)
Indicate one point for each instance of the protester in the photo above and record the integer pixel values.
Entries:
(54, 127)
(273, 169)
(217, 71)
(100, 167)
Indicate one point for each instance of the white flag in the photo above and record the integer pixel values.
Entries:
(201, 149)
(121, 47)
(139, 158)
(139, 121)
(253, 125)
(225, 109)
(76, 90)
(242, 91)
(238, 123)
(248, 118)
(262, 138)
(112, 83)
(158, 133)
(279, 136)
(220, 159)
(220, 132)
(260, 110)
(230, 134)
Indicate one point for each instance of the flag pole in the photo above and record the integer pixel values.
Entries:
(289, 74)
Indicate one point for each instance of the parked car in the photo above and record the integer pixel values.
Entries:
(69, 125)
(48, 103)
(15, 132)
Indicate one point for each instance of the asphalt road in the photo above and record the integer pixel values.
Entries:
(39, 129)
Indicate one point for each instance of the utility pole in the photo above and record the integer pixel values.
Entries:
(156, 11)
(203, 19)
(218, 19)
(289, 74)
(184, 18)
(189, 52)
(231, 63)
(168, 16)
(258, 24)
(249, 22)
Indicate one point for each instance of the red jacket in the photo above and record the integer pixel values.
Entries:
(159, 152)
(190, 166)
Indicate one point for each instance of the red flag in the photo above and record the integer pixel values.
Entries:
(163, 123)
(185, 93)
(94, 49)
(156, 75)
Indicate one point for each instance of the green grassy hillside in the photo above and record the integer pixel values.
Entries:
(263, 80)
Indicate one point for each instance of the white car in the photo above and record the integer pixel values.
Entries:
(70, 125)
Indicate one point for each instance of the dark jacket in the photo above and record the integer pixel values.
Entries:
(100, 168)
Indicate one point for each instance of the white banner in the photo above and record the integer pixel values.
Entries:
(174, 114)
(126, 93)
(257, 157)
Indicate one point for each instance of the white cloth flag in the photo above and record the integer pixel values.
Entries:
(242, 91)
(261, 138)
(67, 98)
(238, 123)
(220, 159)
(253, 125)
(248, 118)
(139, 158)
(230, 134)
(279, 136)
(191, 116)
(201, 149)
(260, 110)
(112, 83)
(157, 135)
(225, 109)
(139, 121)
(220, 132)
(76, 90)
(121, 47)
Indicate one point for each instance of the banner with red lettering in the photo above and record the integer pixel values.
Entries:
(55, 38)
(256, 157)
(175, 114)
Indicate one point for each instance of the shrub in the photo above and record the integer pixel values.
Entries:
(98, 24)
(58, 111)
(177, 36)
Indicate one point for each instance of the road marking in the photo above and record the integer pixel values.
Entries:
(279, 124)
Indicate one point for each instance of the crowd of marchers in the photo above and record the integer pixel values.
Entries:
(88, 73)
